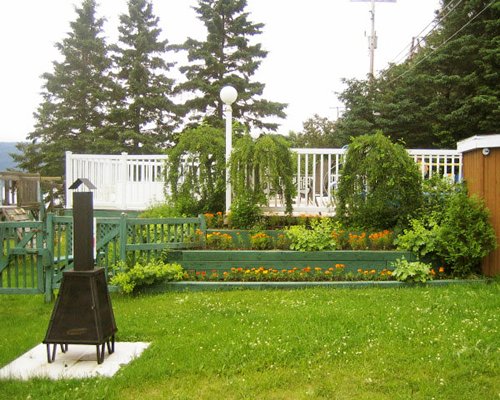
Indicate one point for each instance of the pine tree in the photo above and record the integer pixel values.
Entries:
(76, 95)
(228, 56)
(146, 114)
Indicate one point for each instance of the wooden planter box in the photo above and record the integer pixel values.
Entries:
(221, 260)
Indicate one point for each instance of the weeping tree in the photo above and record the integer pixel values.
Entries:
(380, 186)
(262, 168)
(196, 171)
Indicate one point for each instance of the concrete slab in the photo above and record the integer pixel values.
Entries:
(80, 361)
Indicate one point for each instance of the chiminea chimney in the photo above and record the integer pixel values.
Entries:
(83, 313)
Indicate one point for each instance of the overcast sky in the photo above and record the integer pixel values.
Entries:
(312, 45)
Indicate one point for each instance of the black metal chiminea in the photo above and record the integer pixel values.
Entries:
(83, 313)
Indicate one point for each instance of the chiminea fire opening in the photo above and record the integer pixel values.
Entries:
(83, 313)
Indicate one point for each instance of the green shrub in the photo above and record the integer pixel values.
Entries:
(321, 235)
(164, 210)
(466, 234)
(414, 271)
(436, 193)
(245, 212)
(380, 186)
(458, 232)
(128, 279)
(421, 237)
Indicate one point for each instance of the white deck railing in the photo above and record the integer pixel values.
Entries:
(126, 182)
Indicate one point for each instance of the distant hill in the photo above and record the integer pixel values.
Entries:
(5, 159)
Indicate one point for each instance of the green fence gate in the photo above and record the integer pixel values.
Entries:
(35, 254)
(22, 257)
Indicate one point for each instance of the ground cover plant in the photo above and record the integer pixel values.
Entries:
(419, 343)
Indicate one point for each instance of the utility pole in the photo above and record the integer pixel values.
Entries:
(372, 39)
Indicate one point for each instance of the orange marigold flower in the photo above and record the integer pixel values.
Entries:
(441, 270)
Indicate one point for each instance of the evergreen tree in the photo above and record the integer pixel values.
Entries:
(145, 114)
(76, 96)
(228, 56)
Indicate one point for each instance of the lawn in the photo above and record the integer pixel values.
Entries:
(406, 343)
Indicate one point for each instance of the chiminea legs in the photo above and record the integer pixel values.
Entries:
(100, 350)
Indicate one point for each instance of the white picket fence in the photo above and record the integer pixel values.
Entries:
(131, 182)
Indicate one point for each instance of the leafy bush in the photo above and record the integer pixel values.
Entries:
(128, 279)
(321, 235)
(414, 271)
(436, 193)
(380, 186)
(421, 237)
(245, 212)
(164, 210)
(466, 234)
(457, 231)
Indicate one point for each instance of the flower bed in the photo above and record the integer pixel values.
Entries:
(208, 262)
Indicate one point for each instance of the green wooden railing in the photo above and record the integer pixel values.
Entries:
(35, 254)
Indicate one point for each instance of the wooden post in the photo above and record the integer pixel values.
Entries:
(123, 237)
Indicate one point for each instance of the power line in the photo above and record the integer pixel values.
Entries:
(437, 20)
(442, 44)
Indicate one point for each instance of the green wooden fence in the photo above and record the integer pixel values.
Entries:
(21, 259)
(35, 254)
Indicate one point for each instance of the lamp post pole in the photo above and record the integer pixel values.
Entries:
(228, 95)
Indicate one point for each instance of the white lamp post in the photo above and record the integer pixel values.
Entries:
(228, 95)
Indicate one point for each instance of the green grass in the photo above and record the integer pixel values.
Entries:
(411, 343)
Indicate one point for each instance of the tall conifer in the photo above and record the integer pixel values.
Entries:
(76, 95)
(228, 56)
(146, 113)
